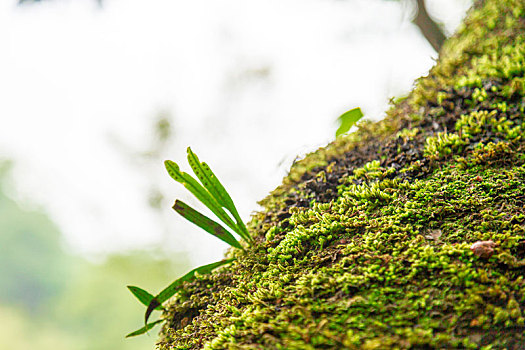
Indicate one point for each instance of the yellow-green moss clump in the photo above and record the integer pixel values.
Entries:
(367, 244)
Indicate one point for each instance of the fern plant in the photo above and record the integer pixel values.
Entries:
(214, 196)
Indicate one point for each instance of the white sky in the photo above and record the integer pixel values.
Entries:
(77, 81)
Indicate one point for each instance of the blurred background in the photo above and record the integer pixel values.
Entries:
(96, 94)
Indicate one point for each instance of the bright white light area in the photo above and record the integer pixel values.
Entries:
(249, 83)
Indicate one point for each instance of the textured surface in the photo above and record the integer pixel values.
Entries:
(367, 244)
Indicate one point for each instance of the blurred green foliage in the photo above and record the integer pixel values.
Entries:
(347, 120)
(50, 299)
(29, 250)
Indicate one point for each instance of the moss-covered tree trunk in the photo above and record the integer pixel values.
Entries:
(409, 233)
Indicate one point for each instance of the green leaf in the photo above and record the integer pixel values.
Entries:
(199, 192)
(205, 223)
(217, 190)
(143, 296)
(347, 119)
(170, 290)
(190, 183)
(143, 329)
(210, 181)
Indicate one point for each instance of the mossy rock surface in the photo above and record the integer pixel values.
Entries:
(368, 243)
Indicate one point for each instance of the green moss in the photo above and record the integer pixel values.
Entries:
(442, 144)
(367, 244)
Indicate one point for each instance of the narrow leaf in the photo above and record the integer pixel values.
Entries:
(347, 119)
(143, 296)
(143, 329)
(190, 183)
(174, 170)
(170, 290)
(226, 201)
(205, 223)
(199, 192)
(210, 181)
(217, 190)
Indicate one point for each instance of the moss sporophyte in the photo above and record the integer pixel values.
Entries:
(408, 233)
(214, 196)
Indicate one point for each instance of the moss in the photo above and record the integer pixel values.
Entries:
(367, 244)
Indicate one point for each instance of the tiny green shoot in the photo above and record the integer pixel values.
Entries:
(347, 120)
